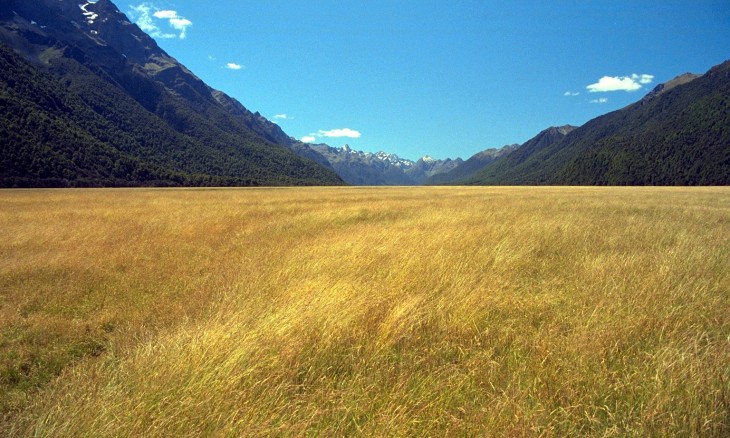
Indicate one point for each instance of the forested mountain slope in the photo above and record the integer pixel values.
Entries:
(95, 102)
(676, 135)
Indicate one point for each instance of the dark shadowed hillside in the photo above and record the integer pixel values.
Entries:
(90, 99)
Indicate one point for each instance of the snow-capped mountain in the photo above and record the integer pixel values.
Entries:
(381, 168)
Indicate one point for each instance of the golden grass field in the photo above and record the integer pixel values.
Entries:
(375, 311)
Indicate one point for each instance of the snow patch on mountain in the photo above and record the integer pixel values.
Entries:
(390, 159)
(381, 168)
(90, 16)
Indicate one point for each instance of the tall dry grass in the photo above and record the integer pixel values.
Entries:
(394, 311)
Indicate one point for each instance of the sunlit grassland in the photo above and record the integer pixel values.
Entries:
(383, 311)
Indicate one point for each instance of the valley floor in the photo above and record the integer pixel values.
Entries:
(383, 311)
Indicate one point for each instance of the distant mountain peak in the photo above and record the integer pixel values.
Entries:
(666, 86)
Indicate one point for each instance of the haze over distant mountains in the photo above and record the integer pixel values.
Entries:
(472, 165)
(90, 100)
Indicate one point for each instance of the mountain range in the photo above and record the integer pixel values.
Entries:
(89, 99)
(381, 168)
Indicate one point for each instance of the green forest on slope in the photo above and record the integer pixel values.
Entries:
(69, 126)
(679, 137)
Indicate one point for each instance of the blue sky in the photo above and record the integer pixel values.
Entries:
(442, 78)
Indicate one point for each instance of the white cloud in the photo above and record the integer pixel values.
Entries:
(601, 100)
(643, 79)
(570, 93)
(620, 83)
(142, 16)
(282, 117)
(181, 25)
(165, 14)
(344, 132)
(147, 14)
(234, 66)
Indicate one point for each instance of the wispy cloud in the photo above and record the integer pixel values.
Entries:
(177, 22)
(309, 139)
(142, 15)
(279, 117)
(343, 132)
(147, 16)
(233, 66)
(600, 100)
(620, 83)
(570, 93)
